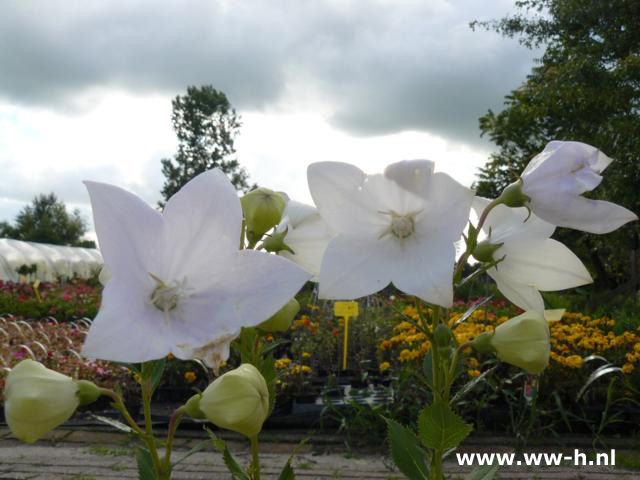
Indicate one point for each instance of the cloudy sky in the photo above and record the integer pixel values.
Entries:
(86, 87)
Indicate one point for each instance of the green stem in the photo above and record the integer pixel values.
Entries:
(255, 458)
(472, 241)
(174, 421)
(149, 439)
(118, 404)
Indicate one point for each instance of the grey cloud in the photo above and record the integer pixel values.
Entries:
(383, 66)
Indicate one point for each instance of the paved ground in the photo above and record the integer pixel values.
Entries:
(88, 455)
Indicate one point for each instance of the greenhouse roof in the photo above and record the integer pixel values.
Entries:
(46, 262)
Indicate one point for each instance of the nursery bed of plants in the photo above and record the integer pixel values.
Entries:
(590, 386)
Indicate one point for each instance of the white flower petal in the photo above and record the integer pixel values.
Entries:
(412, 175)
(296, 213)
(205, 215)
(353, 267)
(426, 271)
(593, 216)
(546, 265)
(128, 230)
(253, 286)
(561, 161)
(524, 296)
(446, 209)
(337, 190)
(309, 241)
(127, 328)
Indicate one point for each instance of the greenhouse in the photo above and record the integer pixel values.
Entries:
(30, 261)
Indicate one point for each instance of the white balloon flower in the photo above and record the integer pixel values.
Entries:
(179, 283)
(555, 179)
(398, 227)
(533, 262)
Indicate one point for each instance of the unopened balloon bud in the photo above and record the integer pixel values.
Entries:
(262, 209)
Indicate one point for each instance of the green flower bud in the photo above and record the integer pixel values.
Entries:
(192, 407)
(442, 336)
(37, 400)
(484, 251)
(237, 400)
(482, 343)
(87, 392)
(262, 209)
(513, 196)
(281, 320)
(523, 341)
(275, 243)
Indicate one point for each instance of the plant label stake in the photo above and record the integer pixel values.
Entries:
(345, 310)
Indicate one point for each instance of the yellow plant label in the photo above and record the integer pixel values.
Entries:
(345, 309)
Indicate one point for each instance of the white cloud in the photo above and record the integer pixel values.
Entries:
(85, 88)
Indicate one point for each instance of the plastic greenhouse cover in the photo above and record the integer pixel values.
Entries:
(51, 261)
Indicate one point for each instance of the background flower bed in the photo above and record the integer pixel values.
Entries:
(385, 356)
(64, 301)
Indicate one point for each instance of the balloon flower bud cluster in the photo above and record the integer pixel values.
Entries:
(37, 400)
(262, 209)
(237, 400)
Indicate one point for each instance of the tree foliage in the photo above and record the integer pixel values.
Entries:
(47, 220)
(585, 87)
(206, 126)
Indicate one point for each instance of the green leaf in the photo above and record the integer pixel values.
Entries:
(145, 464)
(156, 369)
(427, 367)
(287, 472)
(237, 473)
(483, 472)
(406, 453)
(440, 428)
(268, 371)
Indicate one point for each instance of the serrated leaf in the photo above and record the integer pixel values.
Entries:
(483, 472)
(145, 464)
(287, 472)
(440, 428)
(427, 367)
(155, 371)
(268, 370)
(112, 423)
(406, 453)
(237, 473)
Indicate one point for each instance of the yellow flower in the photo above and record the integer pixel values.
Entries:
(473, 373)
(405, 355)
(628, 368)
(306, 369)
(282, 363)
(190, 377)
(306, 355)
(573, 361)
(473, 362)
(384, 366)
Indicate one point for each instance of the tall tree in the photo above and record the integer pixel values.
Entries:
(206, 126)
(585, 87)
(47, 220)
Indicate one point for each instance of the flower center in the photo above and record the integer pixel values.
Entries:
(166, 297)
(402, 226)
